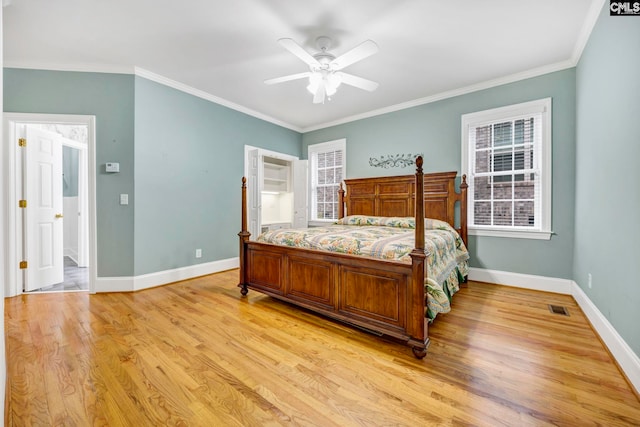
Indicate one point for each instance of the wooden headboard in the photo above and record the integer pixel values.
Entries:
(395, 196)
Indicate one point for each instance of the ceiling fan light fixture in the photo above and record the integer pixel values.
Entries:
(325, 70)
(330, 80)
(314, 82)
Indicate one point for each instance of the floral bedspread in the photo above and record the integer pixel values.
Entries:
(390, 238)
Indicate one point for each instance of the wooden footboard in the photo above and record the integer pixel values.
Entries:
(384, 297)
(380, 296)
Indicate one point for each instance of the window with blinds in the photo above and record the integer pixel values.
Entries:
(327, 167)
(506, 155)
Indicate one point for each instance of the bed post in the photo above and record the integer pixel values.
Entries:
(341, 202)
(463, 209)
(418, 327)
(244, 238)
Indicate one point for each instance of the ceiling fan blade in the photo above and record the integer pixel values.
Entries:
(358, 82)
(318, 97)
(298, 51)
(287, 78)
(363, 50)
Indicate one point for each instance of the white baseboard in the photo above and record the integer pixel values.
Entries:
(145, 281)
(73, 254)
(622, 353)
(518, 280)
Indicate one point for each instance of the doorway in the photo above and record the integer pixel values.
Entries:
(52, 174)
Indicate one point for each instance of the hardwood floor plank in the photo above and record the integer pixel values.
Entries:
(196, 353)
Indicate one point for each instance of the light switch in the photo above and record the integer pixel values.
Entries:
(124, 199)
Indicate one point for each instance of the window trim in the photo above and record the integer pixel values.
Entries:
(507, 113)
(337, 144)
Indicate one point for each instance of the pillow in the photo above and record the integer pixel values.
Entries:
(393, 221)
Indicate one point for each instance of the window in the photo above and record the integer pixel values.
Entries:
(327, 164)
(506, 154)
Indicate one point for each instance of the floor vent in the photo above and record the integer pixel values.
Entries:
(558, 309)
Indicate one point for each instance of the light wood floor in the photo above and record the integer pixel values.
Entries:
(196, 353)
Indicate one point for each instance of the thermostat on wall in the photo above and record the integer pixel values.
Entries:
(112, 167)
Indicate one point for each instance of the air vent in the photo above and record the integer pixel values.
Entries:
(558, 309)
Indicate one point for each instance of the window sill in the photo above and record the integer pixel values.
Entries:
(512, 234)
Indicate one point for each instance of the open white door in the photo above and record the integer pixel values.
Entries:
(300, 199)
(43, 216)
(254, 184)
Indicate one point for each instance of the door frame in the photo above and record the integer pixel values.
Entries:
(13, 184)
(83, 194)
(261, 152)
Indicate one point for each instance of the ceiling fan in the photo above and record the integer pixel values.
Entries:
(325, 73)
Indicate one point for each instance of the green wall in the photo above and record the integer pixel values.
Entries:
(607, 153)
(181, 160)
(434, 129)
(109, 97)
(189, 157)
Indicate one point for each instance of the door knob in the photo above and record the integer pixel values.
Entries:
(59, 215)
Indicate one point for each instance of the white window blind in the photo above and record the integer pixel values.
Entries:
(508, 167)
(327, 166)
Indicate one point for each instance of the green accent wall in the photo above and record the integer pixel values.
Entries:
(607, 153)
(189, 157)
(109, 97)
(181, 161)
(434, 130)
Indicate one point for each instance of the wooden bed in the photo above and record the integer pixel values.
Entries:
(384, 297)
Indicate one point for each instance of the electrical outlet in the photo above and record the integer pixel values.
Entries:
(589, 281)
(198, 253)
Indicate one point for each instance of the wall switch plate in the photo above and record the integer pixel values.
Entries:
(198, 253)
(124, 199)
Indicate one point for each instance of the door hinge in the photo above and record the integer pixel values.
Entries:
(23, 265)
(22, 142)
(22, 203)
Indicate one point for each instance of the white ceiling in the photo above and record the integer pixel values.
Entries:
(224, 50)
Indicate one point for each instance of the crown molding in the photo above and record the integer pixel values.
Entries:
(140, 72)
(535, 72)
(583, 38)
(590, 21)
(81, 68)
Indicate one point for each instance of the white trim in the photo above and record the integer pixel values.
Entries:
(626, 358)
(587, 28)
(512, 234)
(146, 281)
(13, 280)
(581, 42)
(620, 350)
(141, 72)
(80, 68)
(264, 151)
(212, 98)
(535, 72)
(509, 112)
(92, 68)
(519, 280)
(312, 150)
